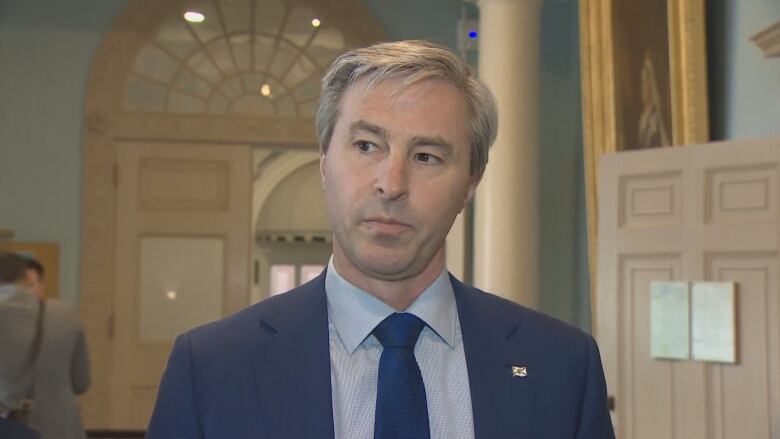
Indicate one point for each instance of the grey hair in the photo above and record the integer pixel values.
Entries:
(411, 62)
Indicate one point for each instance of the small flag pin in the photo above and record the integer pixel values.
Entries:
(519, 371)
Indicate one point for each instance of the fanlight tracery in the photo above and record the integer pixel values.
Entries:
(248, 57)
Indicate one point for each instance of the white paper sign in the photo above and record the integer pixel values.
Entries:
(669, 324)
(713, 322)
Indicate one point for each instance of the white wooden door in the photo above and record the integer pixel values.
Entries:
(183, 258)
(694, 213)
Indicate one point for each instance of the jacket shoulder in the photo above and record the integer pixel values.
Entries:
(532, 325)
(246, 327)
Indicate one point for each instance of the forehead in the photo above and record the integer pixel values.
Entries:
(430, 104)
(402, 92)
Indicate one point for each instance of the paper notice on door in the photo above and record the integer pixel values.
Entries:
(713, 320)
(669, 324)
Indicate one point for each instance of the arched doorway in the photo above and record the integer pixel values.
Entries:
(293, 236)
(172, 112)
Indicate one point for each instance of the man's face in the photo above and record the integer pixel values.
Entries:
(396, 174)
(33, 282)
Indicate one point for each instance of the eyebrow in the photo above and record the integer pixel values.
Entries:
(362, 125)
(435, 141)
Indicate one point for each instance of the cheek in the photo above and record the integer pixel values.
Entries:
(341, 198)
(441, 208)
(349, 183)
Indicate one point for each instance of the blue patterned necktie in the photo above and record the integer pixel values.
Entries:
(401, 407)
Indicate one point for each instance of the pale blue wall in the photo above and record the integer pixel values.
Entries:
(564, 278)
(433, 20)
(46, 48)
(744, 86)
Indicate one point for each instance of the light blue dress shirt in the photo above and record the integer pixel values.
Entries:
(354, 358)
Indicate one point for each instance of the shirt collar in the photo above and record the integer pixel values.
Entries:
(355, 312)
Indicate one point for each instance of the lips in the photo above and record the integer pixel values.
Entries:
(385, 225)
(383, 220)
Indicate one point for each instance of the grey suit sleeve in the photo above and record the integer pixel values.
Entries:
(595, 422)
(80, 377)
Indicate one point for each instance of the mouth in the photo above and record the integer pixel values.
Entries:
(385, 225)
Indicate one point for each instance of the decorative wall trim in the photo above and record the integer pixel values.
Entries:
(275, 131)
(768, 40)
(294, 237)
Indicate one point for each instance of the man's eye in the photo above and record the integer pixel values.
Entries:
(427, 158)
(364, 146)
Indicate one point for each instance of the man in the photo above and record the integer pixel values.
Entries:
(17, 323)
(60, 370)
(385, 344)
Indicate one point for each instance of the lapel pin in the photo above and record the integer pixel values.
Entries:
(519, 371)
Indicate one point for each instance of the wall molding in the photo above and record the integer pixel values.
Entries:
(768, 40)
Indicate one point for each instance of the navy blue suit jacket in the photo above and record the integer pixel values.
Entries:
(265, 373)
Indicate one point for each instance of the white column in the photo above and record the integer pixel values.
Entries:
(505, 225)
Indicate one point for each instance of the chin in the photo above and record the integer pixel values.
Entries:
(387, 265)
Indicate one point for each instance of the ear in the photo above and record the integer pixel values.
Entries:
(323, 171)
(472, 188)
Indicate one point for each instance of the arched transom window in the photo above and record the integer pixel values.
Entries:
(234, 57)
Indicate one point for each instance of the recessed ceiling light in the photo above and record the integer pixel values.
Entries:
(265, 90)
(194, 17)
(171, 294)
(315, 22)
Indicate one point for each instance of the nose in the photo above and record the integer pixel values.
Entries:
(392, 180)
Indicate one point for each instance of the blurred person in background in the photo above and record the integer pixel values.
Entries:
(17, 321)
(50, 368)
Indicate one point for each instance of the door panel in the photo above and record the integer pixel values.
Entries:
(694, 213)
(183, 257)
(746, 410)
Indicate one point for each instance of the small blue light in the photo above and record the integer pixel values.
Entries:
(473, 35)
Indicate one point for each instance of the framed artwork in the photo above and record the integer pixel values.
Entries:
(644, 84)
(48, 254)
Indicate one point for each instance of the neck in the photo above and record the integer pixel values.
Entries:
(398, 293)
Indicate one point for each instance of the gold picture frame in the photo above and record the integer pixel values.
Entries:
(644, 84)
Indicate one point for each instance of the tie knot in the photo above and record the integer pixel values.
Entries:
(399, 330)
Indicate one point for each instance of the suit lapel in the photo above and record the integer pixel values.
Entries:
(292, 364)
(502, 404)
